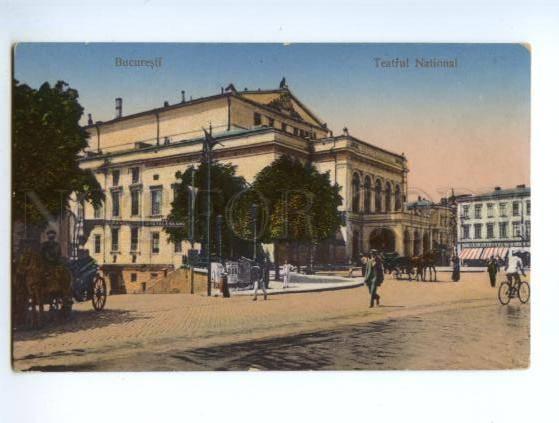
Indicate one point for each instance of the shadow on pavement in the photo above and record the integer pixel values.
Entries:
(78, 321)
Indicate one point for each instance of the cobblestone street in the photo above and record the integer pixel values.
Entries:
(419, 325)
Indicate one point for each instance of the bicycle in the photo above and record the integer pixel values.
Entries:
(507, 291)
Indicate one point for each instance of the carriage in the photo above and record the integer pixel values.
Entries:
(38, 283)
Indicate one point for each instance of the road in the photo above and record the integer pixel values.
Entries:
(419, 325)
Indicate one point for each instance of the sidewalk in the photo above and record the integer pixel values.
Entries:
(305, 283)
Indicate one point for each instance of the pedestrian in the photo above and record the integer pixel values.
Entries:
(286, 272)
(374, 277)
(364, 260)
(492, 270)
(257, 275)
(455, 268)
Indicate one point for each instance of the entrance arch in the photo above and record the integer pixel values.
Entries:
(426, 243)
(407, 243)
(382, 240)
(416, 243)
(355, 246)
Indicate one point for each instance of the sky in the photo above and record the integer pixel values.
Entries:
(466, 128)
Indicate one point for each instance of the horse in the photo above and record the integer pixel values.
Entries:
(43, 283)
(429, 260)
(418, 263)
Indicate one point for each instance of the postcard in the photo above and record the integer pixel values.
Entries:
(186, 207)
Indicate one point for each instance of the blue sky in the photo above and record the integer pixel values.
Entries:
(466, 127)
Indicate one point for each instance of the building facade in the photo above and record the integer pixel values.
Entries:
(136, 157)
(492, 224)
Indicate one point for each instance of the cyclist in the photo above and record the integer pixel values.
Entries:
(513, 270)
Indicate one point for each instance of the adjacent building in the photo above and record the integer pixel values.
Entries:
(136, 157)
(491, 224)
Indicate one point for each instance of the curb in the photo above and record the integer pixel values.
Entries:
(301, 291)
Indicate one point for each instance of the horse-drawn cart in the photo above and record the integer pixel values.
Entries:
(38, 283)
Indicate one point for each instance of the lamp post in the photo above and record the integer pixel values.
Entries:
(219, 225)
(254, 210)
(193, 191)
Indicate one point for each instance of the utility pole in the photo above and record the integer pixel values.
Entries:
(209, 144)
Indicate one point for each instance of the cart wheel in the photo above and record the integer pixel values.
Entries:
(504, 291)
(524, 292)
(99, 293)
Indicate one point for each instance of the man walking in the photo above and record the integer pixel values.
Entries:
(257, 275)
(374, 276)
(492, 270)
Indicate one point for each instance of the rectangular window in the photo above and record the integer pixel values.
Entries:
(477, 211)
(528, 207)
(490, 232)
(135, 202)
(257, 119)
(155, 242)
(134, 231)
(97, 247)
(490, 210)
(135, 175)
(115, 196)
(271, 122)
(116, 177)
(503, 229)
(114, 239)
(284, 127)
(178, 247)
(503, 209)
(466, 231)
(133, 277)
(516, 208)
(466, 212)
(516, 229)
(97, 212)
(156, 196)
(296, 131)
(527, 228)
(477, 230)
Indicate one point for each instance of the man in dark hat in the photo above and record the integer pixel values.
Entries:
(50, 249)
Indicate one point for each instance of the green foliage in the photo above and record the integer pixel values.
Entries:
(302, 203)
(225, 186)
(47, 140)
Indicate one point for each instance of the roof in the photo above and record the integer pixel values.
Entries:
(352, 138)
(230, 91)
(519, 191)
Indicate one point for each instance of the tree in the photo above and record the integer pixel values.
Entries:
(226, 185)
(302, 203)
(46, 142)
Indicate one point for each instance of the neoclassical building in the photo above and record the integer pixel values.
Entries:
(136, 157)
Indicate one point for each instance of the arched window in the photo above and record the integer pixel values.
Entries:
(355, 187)
(388, 197)
(378, 196)
(398, 198)
(368, 194)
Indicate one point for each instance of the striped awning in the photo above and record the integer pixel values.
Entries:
(470, 253)
(495, 252)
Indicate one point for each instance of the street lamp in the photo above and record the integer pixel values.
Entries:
(254, 210)
(209, 144)
(193, 191)
(219, 224)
